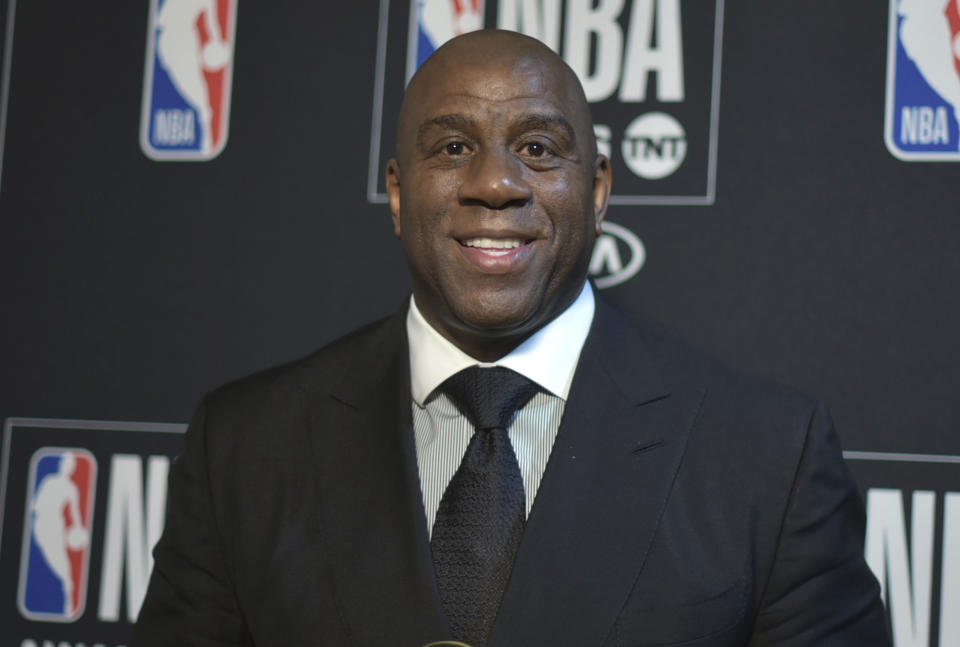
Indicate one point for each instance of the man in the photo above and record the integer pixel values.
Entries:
(666, 499)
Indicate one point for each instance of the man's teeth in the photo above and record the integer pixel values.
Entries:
(493, 243)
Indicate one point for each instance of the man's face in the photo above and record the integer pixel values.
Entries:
(497, 194)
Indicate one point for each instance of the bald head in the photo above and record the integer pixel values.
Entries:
(502, 64)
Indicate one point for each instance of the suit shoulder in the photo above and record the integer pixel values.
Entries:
(756, 423)
(683, 362)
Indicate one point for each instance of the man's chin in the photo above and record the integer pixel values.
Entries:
(487, 320)
(516, 311)
(496, 323)
(496, 328)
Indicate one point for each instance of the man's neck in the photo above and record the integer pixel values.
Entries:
(487, 345)
(548, 357)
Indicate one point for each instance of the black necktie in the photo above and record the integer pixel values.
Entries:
(481, 515)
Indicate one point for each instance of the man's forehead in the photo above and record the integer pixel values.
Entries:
(492, 80)
(486, 91)
(478, 107)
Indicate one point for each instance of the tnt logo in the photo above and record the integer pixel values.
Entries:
(188, 78)
(923, 80)
(434, 22)
(654, 145)
(56, 534)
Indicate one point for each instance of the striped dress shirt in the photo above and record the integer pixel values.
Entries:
(441, 433)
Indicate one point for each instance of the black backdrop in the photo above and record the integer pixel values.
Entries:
(129, 287)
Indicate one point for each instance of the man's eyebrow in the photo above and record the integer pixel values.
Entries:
(452, 121)
(548, 122)
(458, 121)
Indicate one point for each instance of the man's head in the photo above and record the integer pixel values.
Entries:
(497, 191)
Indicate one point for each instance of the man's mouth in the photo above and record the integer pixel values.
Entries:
(494, 246)
(500, 253)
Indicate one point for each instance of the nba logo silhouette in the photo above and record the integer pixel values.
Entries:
(434, 22)
(187, 79)
(56, 534)
(923, 80)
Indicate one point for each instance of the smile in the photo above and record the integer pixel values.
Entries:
(499, 255)
(494, 246)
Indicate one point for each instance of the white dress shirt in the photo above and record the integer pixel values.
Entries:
(549, 358)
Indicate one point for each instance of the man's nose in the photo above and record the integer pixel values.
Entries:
(494, 178)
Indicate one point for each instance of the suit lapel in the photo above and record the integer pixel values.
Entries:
(373, 532)
(610, 472)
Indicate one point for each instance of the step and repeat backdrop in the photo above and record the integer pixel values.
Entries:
(191, 190)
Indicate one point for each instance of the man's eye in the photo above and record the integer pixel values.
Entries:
(454, 148)
(535, 149)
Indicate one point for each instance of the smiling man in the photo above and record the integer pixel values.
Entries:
(510, 460)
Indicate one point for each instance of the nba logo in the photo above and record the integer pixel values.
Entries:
(434, 22)
(187, 79)
(56, 534)
(923, 80)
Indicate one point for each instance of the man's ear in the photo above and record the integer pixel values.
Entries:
(393, 193)
(602, 183)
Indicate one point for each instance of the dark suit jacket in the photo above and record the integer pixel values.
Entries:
(683, 503)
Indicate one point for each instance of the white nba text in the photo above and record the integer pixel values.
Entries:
(906, 578)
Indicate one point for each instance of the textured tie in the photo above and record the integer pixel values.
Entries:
(481, 515)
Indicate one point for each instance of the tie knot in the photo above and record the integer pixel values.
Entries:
(489, 397)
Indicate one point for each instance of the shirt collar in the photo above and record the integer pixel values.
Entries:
(548, 357)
